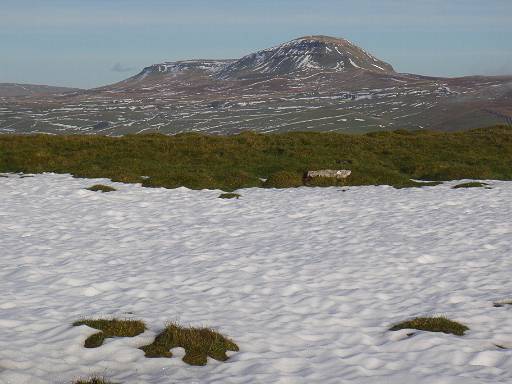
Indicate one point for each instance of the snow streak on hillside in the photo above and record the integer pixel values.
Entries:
(306, 281)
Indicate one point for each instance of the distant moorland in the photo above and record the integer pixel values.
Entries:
(313, 83)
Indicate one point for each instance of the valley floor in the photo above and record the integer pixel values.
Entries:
(306, 281)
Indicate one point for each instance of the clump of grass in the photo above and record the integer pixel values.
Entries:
(500, 304)
(284, 179)
(101, 188)
(197, 342)
(93, 380)
(472, 184)
(229, 196)
(110, 328)
(432, 324)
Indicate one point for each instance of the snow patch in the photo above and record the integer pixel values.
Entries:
(308, 297)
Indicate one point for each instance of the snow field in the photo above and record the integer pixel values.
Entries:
(306, 281)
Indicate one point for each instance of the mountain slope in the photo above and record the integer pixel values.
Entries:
(185, 66)
(15, 90)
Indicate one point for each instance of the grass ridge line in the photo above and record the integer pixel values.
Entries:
(199, 161)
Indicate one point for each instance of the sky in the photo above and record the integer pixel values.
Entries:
(89, 43)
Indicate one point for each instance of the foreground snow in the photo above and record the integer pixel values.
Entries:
(306, 281)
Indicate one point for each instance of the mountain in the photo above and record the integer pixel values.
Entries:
(309, 53)
(305, 54)
(313, 83)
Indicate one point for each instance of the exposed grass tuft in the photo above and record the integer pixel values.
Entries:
(229, 196)
(93, 380)
(110, 328)
(472, 184)
(101, 188)
(432, 324)
(197, 342)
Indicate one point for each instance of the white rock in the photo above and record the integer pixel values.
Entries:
(331, 173)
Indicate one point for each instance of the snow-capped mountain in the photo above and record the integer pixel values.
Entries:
(306, 53)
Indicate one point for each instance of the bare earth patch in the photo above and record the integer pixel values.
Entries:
(101, 188)
(229, 196)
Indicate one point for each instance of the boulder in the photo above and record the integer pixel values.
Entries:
(330, 173)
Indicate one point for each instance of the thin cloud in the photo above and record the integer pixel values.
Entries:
(118, 67)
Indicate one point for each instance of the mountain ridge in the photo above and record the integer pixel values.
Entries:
(307, 53)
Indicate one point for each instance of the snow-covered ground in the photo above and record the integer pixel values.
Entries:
(307, 281)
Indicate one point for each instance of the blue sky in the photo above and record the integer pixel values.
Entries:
(87, 43)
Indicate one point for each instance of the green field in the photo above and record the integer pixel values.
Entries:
(231, 162)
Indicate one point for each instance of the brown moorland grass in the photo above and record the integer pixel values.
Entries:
(197, 342)
(200, 161)
(110, 328)
(284, 179)
(432, 324)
